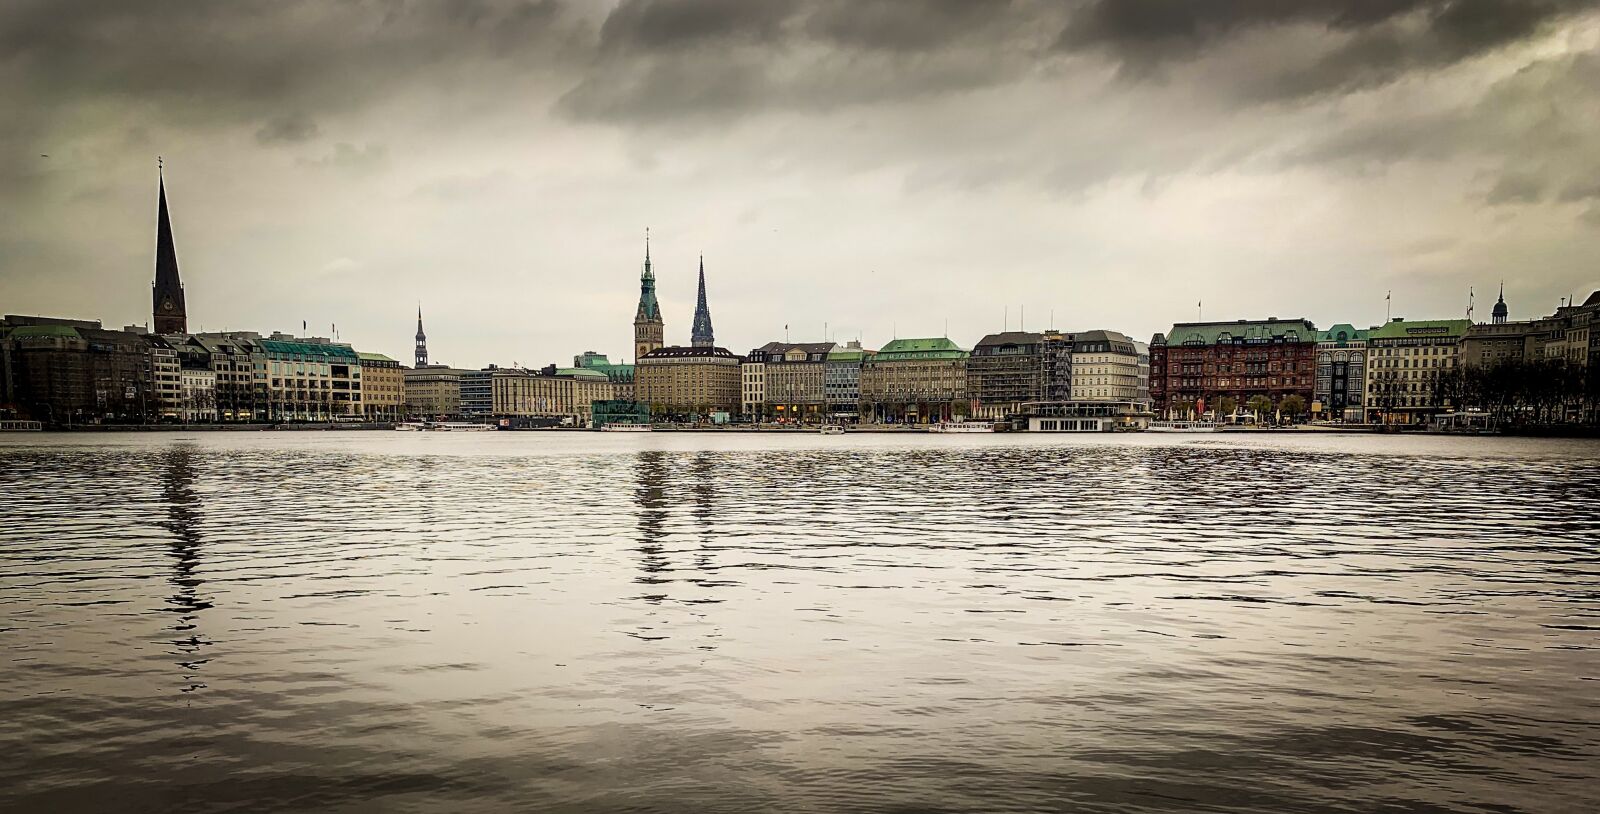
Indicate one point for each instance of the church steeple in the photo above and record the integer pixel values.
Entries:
(1501, 312)
(170, 315)
(648, 330)
(422, 342)
(701, 336)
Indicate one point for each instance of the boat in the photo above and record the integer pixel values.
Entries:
(461, 426)
(962, 426)
(623, 427)
(13, 425)
(1184, 426)
(832, 429)
(411, 426)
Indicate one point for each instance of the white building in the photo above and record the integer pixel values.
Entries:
(198, 399)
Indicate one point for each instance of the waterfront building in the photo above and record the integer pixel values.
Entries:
(620, 374)
(753, 385)
(1197, 363)
(383, 388)
(433, 391)
(556, 393)
(422, 342)
(702, 336)
(311, 379)
(169, 313)
(648, 329)
(688, 380)
(166, 375)
(197, 401)
(68, 371)
(1341, 374)
(619, 411)
(841, 379)
(477, 392)
(1005, 371)
(1106, 367)
(915, 381)
(792, 379)
(1407, 360)
(240, 365)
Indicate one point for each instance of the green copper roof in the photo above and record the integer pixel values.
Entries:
(1422, 328)
(307, 349)
(582, 373)
(1210, 333)
(846, 355)
(936, 348)
(373, 357)
(1351, 333)
(25, 331)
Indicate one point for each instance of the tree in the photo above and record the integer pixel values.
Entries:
(1292, 406)
(1227, 405)
(1260, 405)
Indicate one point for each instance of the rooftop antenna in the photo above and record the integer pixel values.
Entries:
(1388, 305)
(1005, 322)
(1200, 311)
(1022, 318)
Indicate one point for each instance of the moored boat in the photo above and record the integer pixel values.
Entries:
(832, 429)
(1184, 426)
(962, 426)
(623, 427)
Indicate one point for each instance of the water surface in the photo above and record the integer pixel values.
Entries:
(693, 622)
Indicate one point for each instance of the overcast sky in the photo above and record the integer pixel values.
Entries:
(881, 167)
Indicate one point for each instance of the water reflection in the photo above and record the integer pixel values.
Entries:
(183, 524)
(650, 495)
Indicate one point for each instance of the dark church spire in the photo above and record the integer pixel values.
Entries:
(422, 341)
(1501, 312)
(171, 317)
(701, 336)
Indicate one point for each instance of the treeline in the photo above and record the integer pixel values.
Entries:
(1523, 391)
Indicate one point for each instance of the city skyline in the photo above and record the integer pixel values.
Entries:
(1262, 162)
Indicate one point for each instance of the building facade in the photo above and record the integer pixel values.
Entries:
(383, 388)
(311, 379)
(1107, 366)
(841, 379)
(1406, 362)
(793, 380)
(1005, 371)
(1198, 364)
(198, 398)
(477, 392)
(433, 392)
(65, 372)
(620, 374)
(688, 381)
(916, 381)
(753, 386)
(1340, 392)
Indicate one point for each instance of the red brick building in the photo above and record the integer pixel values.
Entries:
(1199, 362)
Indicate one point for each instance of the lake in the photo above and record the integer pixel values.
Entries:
(694, 622)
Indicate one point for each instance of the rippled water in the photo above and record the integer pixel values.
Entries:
(687, 623)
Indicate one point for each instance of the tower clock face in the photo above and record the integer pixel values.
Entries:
(166, 305)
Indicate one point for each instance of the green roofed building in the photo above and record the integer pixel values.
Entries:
(1341, 373)
(1407, 362)
(311, 379)
(1218, 368)
(917, 381)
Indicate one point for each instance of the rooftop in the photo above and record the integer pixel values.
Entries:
(1210, 333)
(1399, 328)
(932, 348)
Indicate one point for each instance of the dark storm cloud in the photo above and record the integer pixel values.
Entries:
(1378, 41)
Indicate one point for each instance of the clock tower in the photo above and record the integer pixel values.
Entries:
(648, 332)
(170, 316)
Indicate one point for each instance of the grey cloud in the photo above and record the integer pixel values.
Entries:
(289, 128)
(1580, 191)
(350, 158)
(1515, 188)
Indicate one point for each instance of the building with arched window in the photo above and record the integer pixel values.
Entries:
(1341, 373)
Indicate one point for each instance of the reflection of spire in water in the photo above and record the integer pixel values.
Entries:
(651, 496)
(183, 521)
(703, 470)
